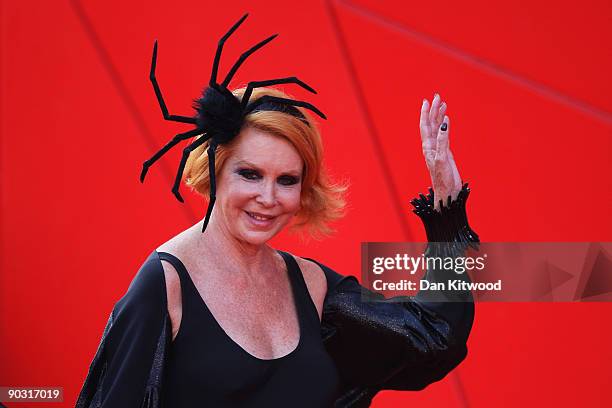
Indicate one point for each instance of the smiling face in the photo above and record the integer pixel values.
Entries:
(259, 188)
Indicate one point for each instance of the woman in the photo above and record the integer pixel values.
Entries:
(222, 319)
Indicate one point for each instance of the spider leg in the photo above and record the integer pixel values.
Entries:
(215, 68)
(257, 84)
(285, 101)
(243, 57)
(176, 139)
(213, 183)
(160, 98)
(186, 152)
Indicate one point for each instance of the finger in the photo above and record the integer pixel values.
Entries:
(445, 130)
(435, 105)
(424, 112)
(440, 115)
(442, 111)
(427, 136)
(442, 143)
(449, 156)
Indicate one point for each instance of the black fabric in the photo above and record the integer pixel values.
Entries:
(278, 107)
(375, 346)
(403, 345)
(222, 374)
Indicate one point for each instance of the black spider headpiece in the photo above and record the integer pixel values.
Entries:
(220, 115)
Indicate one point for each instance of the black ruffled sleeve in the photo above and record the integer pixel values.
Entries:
(402, 343)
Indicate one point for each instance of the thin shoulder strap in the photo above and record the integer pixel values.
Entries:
(178, 265)
(294, 269)
(306, 308)
(333, 277)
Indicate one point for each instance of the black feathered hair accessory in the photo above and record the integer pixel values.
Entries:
(220, 115)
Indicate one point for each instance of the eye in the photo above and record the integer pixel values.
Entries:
(249, 174)
(288, 180)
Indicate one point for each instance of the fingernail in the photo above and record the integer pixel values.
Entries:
(444, 127)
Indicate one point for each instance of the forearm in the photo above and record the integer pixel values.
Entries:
(449, 235)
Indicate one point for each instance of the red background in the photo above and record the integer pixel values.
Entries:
(528, 91)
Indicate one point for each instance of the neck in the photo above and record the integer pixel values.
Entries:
(230, 255)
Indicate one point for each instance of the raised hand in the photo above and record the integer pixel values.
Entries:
(435, 127)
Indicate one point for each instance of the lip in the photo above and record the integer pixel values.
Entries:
(259, 222)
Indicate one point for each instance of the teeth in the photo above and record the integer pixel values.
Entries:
(257, 217)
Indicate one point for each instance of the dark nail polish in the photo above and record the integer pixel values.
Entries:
(444, 127)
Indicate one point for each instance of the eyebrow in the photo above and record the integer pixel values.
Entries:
(247, 163)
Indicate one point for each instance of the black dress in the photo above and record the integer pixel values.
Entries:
(401, 343)
(206, 368)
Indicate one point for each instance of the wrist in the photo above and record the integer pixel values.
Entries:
(446, 223)
(445, 197)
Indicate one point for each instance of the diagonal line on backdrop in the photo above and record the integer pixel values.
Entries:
(481, 63)
(459, 388)
(124, 94)
(369, 121)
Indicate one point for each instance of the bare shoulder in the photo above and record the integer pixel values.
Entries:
(315, 281)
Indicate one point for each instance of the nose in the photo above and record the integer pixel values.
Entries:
(266, 195)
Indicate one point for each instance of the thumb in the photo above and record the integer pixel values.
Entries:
(442, 138)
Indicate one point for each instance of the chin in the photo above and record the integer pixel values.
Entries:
(256, 239)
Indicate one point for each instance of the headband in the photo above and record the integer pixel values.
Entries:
(220, 114)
